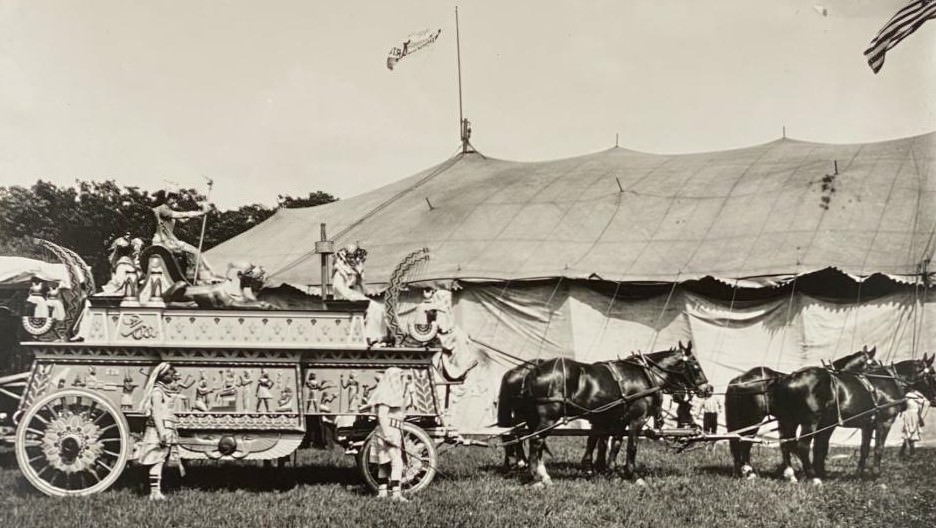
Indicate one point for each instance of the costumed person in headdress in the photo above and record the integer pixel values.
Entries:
(457, 357)
(166, 217)
(348, 283)
(911, 422)
(124, 270)
(348, 277)
(389, 400)
(160, 440)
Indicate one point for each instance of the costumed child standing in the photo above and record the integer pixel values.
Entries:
(389, 401)
(911, 422)
(160, 440)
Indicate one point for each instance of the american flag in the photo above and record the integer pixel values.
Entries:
(905, 22)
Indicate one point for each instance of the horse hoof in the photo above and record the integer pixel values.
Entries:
(641, 482)
(521, 465)
(816, 481)
(789, 474)
(539, 484)
(747, 471)
(751, 476)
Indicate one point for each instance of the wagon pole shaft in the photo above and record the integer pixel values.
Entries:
(620, 401)
(201, 237)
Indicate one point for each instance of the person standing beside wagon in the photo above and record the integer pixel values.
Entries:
(710, 408)
(160, 440)
(911, 422)
(389, 402)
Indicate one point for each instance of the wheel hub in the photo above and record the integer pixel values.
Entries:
(72, 443)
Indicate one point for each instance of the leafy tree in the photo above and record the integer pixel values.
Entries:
(90, 215)
(314, 198)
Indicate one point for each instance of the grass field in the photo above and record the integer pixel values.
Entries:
(323, 490)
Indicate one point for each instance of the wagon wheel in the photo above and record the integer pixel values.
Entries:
(421, 459)
(72, 442)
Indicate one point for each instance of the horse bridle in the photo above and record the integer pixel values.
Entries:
(649, 366)
(923, 375)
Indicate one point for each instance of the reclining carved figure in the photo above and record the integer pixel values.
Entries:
(238, 289)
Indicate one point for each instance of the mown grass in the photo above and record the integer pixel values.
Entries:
(323, 490)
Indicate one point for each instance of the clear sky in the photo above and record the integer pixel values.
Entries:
(294, 96)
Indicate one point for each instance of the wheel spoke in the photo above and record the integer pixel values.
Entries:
(108, 428)
(102, 415)
(53, 412)
(30, 442)
(112, 453)
(36, 432)
(101, 463)
(93, 473)
(42, 470)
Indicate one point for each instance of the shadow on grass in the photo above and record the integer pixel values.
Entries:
(250, 477)
(8, 459)
(718, 471)
(258, 478)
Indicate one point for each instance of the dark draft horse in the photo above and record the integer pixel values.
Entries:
(747, 403)
(817, 400)
(509, 415)
(611, 395)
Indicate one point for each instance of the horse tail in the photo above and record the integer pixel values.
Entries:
(505, 402)
(732, 402)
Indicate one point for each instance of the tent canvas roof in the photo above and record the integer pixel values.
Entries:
(768, 210)
(16, 271)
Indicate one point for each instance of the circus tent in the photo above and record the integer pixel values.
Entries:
(781, 254)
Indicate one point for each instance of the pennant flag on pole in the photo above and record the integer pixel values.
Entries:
(412, 44)
(905, 22)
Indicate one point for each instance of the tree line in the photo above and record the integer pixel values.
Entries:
(90, 215)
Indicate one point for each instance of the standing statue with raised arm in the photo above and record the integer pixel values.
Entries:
(166, 212)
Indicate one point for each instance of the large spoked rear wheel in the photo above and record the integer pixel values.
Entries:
(420, 459)
(72, 442)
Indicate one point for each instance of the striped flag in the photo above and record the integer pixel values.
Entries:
(905, 22)
(412, 44)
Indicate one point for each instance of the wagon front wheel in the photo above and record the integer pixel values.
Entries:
(419, 459)
(72, 442)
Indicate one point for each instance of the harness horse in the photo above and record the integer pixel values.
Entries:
(817, 400)
(747, 403)
(614, 396)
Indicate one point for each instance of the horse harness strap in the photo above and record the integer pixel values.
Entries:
(834, 384)
(617, 377)
(872, 391)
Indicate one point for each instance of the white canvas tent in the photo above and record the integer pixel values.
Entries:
(781, 254)
(15, 271)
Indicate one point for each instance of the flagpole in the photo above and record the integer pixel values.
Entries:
(201, 238)
(461, 117)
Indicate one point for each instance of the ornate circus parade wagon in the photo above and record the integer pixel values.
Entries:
(254, 383)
